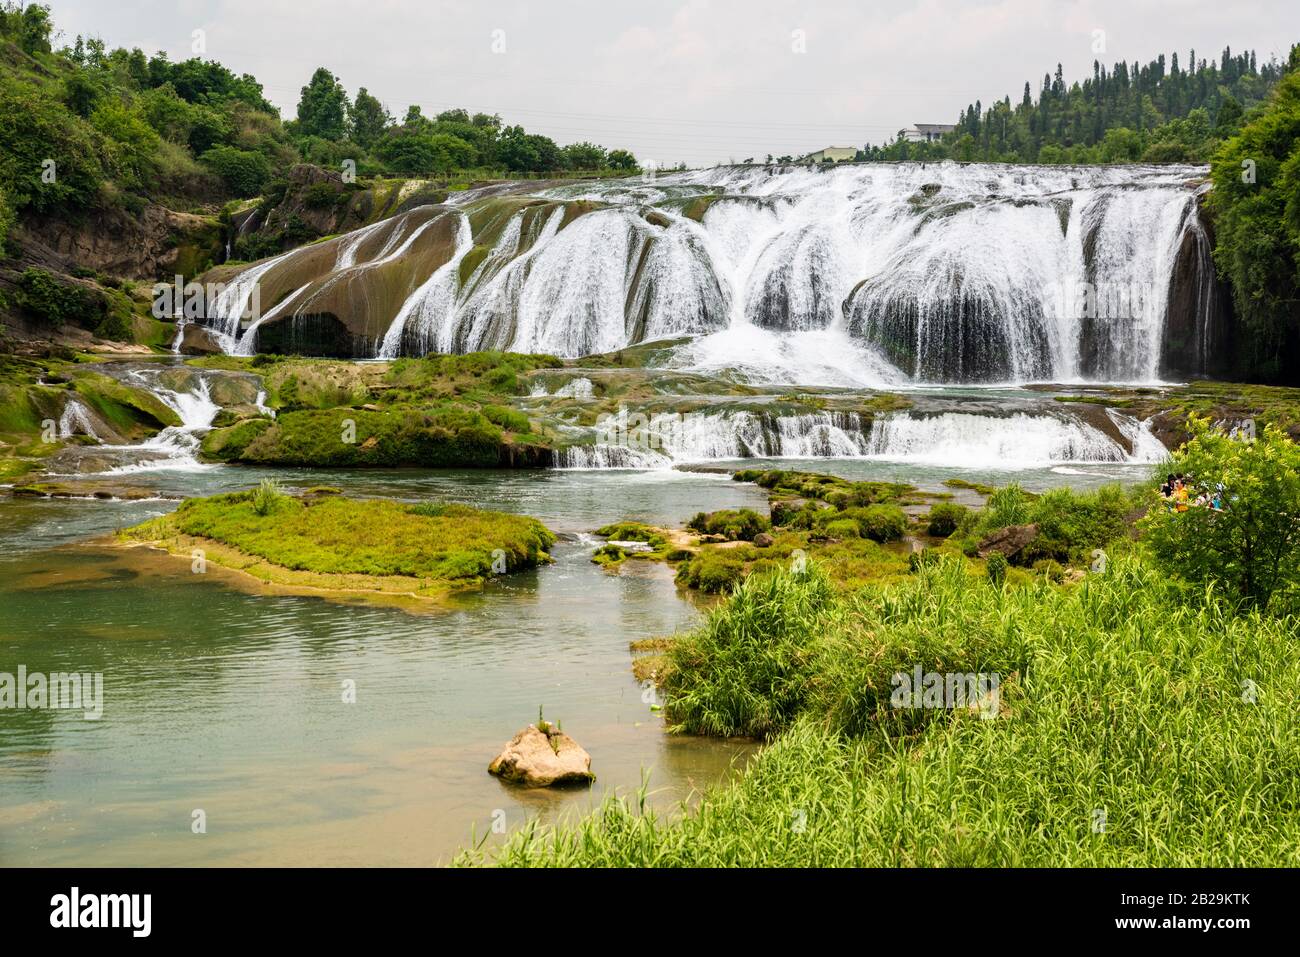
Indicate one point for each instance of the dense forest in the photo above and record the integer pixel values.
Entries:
(1255, 209)
(83, 125)
(1154, 113)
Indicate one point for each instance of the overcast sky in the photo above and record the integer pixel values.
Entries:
(693, 81)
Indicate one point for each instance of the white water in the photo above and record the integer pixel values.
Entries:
(955, 272)
(1018, 441)
(662, 440)
(949, 439)
(431, 306)
(176, 447)
(76, 419)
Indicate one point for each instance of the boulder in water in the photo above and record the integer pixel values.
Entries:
(1009, 541)
(543, 757)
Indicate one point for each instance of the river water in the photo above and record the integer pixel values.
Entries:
(225, 698)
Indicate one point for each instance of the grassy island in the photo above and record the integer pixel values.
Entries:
(323, 541)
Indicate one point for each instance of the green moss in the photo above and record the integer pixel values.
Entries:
(124, 407)
(334, 535)
(733, 525)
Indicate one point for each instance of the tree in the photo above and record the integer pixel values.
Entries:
(369, 119)
(323, 107)
(1252, 545)
(1256, 207)
(35, 29)
(584, 156)
(421, 154)
(625, 161)
(243, 171)
(6, 219)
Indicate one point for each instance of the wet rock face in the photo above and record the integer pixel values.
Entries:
(963, 338)
(198, 341)
(1197, 334)
(543, 757)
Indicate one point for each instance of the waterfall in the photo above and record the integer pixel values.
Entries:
(1015, 441)
(432, 304)
(76, 419)
(663, 439)
(870, 274)
(177, 446)
(240, 300)
(248, 339)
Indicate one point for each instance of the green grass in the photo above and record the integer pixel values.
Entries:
(1116, 698)
(334, 535)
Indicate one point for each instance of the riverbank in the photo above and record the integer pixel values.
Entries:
(1136, 711)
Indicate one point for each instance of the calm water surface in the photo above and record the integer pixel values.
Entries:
(228, 699)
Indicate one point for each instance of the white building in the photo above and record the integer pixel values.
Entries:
(835, 154)
(927, 132)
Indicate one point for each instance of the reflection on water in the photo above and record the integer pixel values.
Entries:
(229, 700)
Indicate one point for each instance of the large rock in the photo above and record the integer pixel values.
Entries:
(539, 758)
(1009, 541)
(198, 341)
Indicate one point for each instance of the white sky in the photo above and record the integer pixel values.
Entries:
(685, 80)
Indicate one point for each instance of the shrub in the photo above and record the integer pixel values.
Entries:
(746, 670)
(882, 523)
(1006, 506)
(1071, 524)
(711, 572)
(841, 528)
(734, 525)
(244, 172)
(59, 303)
(267, 496)
(1252, 545)
(944, 518)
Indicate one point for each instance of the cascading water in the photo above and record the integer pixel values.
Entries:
(661, 440)
(175, 447)
(1009, 441)
(429, 307)
(1015, 441)
(871, 273)
(76, 419)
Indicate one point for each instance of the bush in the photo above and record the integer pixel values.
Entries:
(243, 171)
(1006, 506)
(746, 670)
(944, 518)
(881, 523)
(1252, 545)
(712, 572)
(58, 303)
(733, 525)
(842, 528)
(1071, 524)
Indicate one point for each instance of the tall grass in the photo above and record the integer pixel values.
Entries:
(1136, 729)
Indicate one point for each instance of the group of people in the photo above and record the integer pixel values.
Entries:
(1181, 493)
